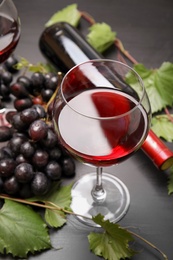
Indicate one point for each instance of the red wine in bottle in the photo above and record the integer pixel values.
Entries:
(63, 46)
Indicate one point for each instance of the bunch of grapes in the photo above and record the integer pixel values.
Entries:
(32, 158)
(35, 90)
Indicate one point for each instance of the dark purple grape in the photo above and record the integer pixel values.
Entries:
(29, 115)
(55, 153)
(4, 154)
(9, 115)
(7, 167)
(19, 90)
(23, 135)
(40, 158)
(46, 94)
(68, 167)
(17, 123)
(27, 149)
(50, 140)
(40, 184)
(5, 133)
(15, 143)
(38, 130)
(37, 100)
(5, 90)
(21, 159)
(40, 110)
(11, 186)
(51, 81)
(10, 64)
(24, 173)
(37, 80)
(21, 104)
(53, 170)
(26, 82)
(7, 151)
(6, 77)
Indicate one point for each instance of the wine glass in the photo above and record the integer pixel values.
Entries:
(9, 29)
(102, 116)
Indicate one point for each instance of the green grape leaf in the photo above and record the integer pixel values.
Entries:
(163, 127)
(69, 14)
(22, 230)
(59, 196)
(23, 63)
(101, 36)
(113, 243)
(170, 181)
(39, 67)
(158, 84)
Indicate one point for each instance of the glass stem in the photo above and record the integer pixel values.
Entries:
(98, 192)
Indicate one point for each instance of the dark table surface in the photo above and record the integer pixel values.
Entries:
(146, 30)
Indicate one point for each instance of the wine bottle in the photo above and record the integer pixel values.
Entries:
(63, 46)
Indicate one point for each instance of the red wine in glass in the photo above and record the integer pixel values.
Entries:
(9, 29)
(118, 137)
(9, 37)
(101, 120)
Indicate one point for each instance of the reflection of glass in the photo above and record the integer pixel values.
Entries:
(9, 29)
(101, 121)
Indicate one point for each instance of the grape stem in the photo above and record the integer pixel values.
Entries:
(121, 48)
(52, 206)
(148, 243)
(87, 17)
(48, 205)
(170, 117)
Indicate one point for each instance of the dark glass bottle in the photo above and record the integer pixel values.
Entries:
(64, 47)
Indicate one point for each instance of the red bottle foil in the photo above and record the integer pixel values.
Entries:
(157, 151)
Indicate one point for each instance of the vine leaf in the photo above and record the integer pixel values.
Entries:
(59, 196)
(68, 14)
(158, 84)
(163, 127)
(21, 225)
(113, 243)
(39, 67)
(101, 36)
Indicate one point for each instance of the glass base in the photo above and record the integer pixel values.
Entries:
(114, 207)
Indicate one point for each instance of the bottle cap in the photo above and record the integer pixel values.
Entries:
(157, 151)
